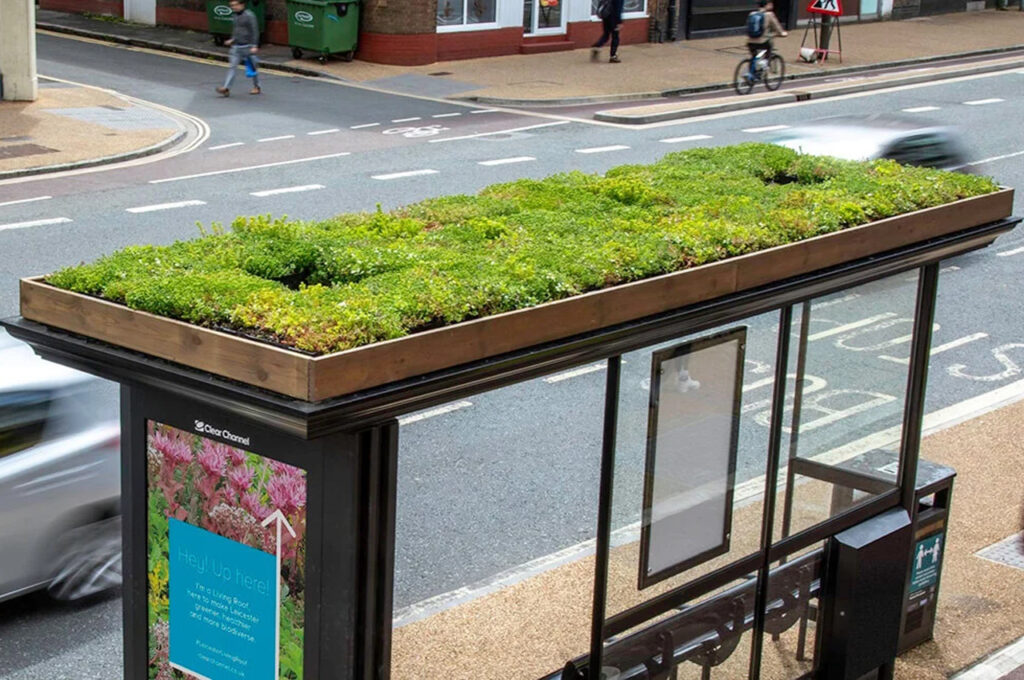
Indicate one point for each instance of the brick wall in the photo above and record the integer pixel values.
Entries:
(110, 7)
(400, 17)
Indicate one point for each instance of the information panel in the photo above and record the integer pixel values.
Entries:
(693, 425)
(226, 560)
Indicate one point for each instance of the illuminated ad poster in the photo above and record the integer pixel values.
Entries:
(693, 429)
(226, 560)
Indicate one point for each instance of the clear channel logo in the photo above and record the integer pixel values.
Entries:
(303, 17)
(222, 11)
(206, 428)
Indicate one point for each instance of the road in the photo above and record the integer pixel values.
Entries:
(486, 469)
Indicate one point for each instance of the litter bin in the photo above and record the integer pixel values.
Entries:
(323, 27)
(221, 22)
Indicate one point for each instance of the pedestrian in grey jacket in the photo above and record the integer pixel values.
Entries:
(244, 42)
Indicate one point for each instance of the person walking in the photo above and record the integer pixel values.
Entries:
(762, 27)
(244, 42)
(610, 13)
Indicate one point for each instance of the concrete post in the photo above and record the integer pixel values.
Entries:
(18, 49)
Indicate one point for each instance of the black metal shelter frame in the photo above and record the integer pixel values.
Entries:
(349, 446)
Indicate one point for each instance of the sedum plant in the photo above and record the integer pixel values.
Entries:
(356, 279)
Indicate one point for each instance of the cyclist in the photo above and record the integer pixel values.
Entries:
(762, 26)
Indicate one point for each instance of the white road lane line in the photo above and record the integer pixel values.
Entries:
(483, 111)
(499, 132)
(982, 102)
(26, 200)
(447, 115)
(829, 303)
(250, 167)
(286, 190)
(506, 161)
(996, 158)
(441, 410)
(848, 327)
(603, 149)
(583, 370)
(408, 173)
(323, 132)
(953, 344)
(690, 138)
(920, 109)
(406, 120)
(1007, 253)
(276, 139)
(225, 146)
(766, 128)
(364, 125)
(34, 223)
(164, 206)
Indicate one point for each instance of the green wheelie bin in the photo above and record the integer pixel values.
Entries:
(324, 27)
(220, 20)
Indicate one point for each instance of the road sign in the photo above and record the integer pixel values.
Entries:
(832, 7)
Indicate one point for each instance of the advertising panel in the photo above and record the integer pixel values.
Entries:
(226, 559)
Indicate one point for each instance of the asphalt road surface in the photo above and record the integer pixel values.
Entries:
(511, 475)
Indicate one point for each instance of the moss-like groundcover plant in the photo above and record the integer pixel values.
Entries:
(361, 278)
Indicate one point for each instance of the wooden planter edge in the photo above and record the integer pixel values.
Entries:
(317, 378)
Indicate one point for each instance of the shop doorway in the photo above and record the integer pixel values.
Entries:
(140, 11)
(543, 17)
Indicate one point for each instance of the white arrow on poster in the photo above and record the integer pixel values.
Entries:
(278, 517)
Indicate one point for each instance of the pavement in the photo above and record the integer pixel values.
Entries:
(71, 126)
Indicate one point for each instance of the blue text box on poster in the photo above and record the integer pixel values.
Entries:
(222, 596)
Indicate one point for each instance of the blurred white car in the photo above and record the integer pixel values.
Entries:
(909, 140)
(60, 525)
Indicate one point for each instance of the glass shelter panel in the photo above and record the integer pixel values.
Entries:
(791, 613)
(496, 518)
(846, 393)
(690, 460)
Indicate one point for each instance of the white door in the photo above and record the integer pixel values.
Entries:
(140, 11)
(543, 17)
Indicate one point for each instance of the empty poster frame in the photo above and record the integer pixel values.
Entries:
(687, 510)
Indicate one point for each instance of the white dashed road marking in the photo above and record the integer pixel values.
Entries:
(499, 132)
(940, 349)
(251, 167)
(691, 138)
(26, 200)
(506, 161)
(164, 206)
(982, 102)
(276, 139)
(409, 173)
(848, 327)
(423, 415)
(996, 158)
(34, 223)
(323, 132)
(920, 109)
(405, 120)
(446, 115)
(766, 128)
(225, 146)
(603, 149)
(1007, 253)
(364, 125)
(583, 370)
(287, 190)
(483, 110)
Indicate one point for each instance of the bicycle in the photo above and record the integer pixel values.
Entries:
(770, 72)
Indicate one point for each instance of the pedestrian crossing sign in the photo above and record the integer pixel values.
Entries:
(833, 7)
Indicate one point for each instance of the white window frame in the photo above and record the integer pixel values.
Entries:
(457, 28)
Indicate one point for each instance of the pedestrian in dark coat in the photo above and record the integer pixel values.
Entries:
(244, 42)
(610, 12)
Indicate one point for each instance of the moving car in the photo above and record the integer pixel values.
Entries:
(909, 140)
(60, 525)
